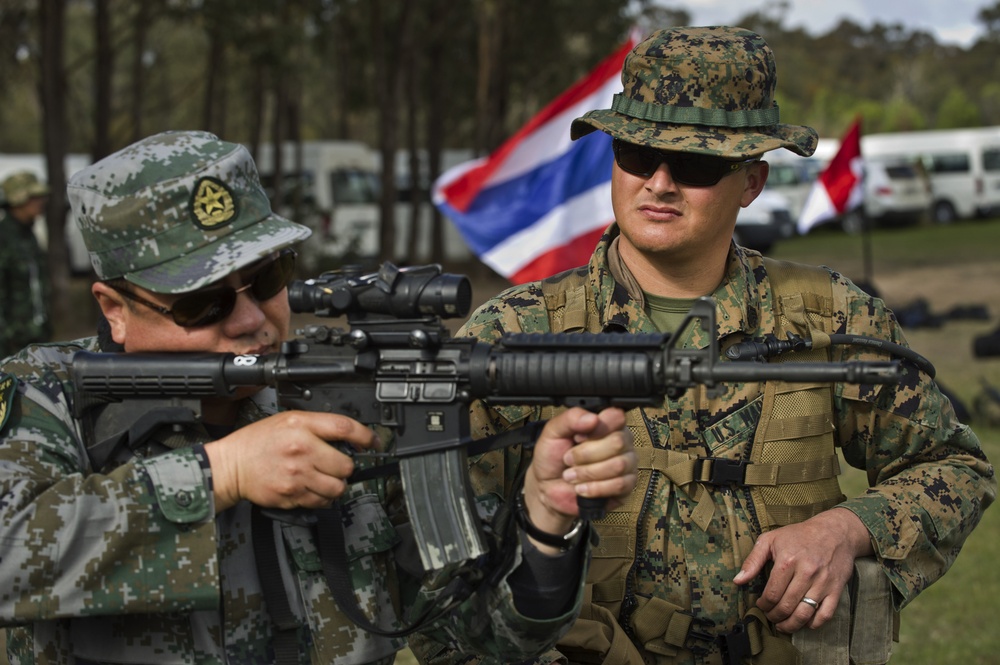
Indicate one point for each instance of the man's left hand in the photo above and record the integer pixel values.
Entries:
(813, 560)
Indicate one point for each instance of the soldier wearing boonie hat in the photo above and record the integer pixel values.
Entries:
(176, 211)
(166, 553)
(24, 278)
(683, 575)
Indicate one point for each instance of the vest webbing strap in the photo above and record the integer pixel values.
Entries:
(662, 627)
(779, 429)
(685, 469)
(689, 473)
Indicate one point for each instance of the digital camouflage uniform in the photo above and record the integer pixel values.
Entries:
(25, 294)
(129, 563)
(930, 479)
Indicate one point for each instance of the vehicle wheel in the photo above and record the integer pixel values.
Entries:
(944, 212)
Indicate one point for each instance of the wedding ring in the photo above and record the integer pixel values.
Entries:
(809, 601)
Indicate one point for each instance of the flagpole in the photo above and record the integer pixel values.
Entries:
(866, 254)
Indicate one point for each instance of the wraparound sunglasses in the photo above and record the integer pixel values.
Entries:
(687, 168)
(213, 304)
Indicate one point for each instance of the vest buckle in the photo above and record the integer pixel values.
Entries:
(719, 471)
(735, 645)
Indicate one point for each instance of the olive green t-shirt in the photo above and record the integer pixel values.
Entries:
(667, 313)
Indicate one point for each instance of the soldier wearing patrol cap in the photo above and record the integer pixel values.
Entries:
(24, 296)
(738, 535)
(164, 554)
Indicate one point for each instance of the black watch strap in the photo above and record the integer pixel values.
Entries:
(563, 543)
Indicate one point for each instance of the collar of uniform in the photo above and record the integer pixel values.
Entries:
(737, 300)
(618, 309)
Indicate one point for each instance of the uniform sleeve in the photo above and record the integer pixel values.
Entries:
(929, 478)
(74, 543)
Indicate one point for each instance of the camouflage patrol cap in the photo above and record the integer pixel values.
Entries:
(707, 90)
(176, 211)
(20, 187)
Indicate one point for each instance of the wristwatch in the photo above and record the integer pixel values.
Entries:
(563, 543)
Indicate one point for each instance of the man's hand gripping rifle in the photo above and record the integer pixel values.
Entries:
(396, 366)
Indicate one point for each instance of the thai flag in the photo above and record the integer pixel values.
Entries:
(540, 202)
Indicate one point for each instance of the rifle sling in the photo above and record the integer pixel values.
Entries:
(333, 556)
(526, 436)
(284, 624)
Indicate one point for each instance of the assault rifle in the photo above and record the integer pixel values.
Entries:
(396, 366)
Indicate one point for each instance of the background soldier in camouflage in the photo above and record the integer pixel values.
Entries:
(152, 558)
(698, 568)
(24, 276)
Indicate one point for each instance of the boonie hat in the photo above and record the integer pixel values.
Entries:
(176, 211)
(20, 187)
(707, 90)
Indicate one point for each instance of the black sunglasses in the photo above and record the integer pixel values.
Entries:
(687, 168)
(213, 304)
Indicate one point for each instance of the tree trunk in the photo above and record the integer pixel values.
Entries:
(437, 95)
(140, 28)
(278, 106)
(489, 91)
(103, 71)
(216, 49)
(53, 97)
(416, 181)
(388, 76)
(256, 108)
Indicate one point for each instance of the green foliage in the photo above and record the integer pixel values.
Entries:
(901, 115)
(989, 103)
(957, 110)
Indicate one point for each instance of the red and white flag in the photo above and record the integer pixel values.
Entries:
(840, 187)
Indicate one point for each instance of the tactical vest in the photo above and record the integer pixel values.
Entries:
(791, 475)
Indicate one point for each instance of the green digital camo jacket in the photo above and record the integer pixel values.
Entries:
(24, 287)
(930, 480)
(132, 565)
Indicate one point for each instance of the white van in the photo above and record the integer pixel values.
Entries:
(963, 166)
(896, 188)
(897, 191)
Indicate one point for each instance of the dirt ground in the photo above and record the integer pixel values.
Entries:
(949, 346)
